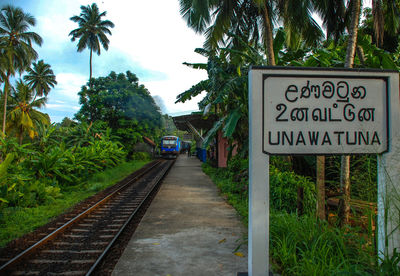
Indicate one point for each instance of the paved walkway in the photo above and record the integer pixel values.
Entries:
(188, 230)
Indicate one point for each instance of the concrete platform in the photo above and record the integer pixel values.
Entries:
(188, 230)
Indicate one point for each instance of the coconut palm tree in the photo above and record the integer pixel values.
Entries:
(40, 78)
(92, 31)
(23, 118)
(334, 15)
(336, 19)
(344, 204)
(256, 17)
(16, 45)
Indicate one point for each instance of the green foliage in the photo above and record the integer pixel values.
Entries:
(304, 246)
(16, 47)
(280, 162)
(121, 104)
(283, 185)
(226, 89)
(283, 191)
(141, 156)
(298, 245)
(390, 265)
(48, 136)
(92, 31)
(24, 118)
(40, 78)
(80, 135)
(53, 164)
(363, 176)
(16, 221)
(3, 173)
(40, 172)
(235, 192)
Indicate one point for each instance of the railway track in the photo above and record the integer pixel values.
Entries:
(78, 245)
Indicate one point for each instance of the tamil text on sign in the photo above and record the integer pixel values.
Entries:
(324, 114)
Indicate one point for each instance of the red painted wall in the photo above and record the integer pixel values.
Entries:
(223, 151)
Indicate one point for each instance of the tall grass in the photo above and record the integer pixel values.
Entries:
(299, 245)
(305, 246)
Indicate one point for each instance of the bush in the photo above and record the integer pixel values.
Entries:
(299, 245)
(283, 191)
(283, 185)
(30, 176)
(141, 156)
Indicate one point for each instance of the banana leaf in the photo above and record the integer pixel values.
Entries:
(211, 133)
(231, 122)
(5, 164)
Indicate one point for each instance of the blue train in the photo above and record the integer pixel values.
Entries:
(170, 146)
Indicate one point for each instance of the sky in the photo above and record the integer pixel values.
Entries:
(150, 39)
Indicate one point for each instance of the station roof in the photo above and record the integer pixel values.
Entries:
(196, 120)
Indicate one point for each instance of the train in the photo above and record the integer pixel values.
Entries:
(170, 146)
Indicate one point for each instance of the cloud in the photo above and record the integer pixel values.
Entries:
(157, 38)
(62, 107)
(68, 86)
(150, 39)
(160, 103)
(63, 100)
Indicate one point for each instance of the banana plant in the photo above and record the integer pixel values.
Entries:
(226, 88)
(4, 189)
(48, 136)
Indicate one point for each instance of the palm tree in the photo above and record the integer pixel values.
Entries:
(40, 78)
(334, 16)
(23, 117)
(344, 205)
(16, 45)
(92, 31)
(255, 17)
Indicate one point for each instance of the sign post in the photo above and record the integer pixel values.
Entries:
(258, 184)
(315, 111)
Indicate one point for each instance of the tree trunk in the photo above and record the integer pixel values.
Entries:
(361, 56)
(321, 187)
(300, 201)
(6, 87)
(344, 203)
(269, 38)
(90, 74)
(353, 30)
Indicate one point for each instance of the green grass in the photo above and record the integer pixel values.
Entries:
(235, 193)
(17, 221)
(306, 246)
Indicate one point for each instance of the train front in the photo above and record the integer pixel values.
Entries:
(170, 146)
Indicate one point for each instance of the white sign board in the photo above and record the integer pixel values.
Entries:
(319, 111)
(324, 114)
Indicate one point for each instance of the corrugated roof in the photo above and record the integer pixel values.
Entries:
(195, 120)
